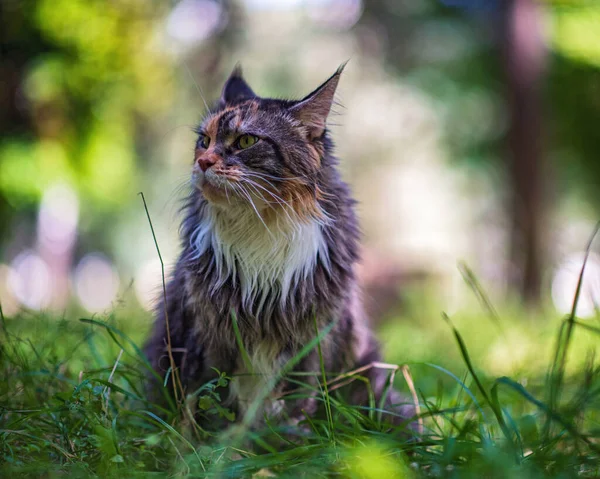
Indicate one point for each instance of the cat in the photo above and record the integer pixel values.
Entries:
(270, 244)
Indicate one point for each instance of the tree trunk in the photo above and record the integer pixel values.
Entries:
(524, 55)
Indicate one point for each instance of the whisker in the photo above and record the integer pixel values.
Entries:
(327, 217)
(260, 178)
(196, 84)
(263, 175)
(277, 178)
(258, 193)
(268, 203)
(248, 197)
(255, 184)
(293, 223)
(227, 194)
(184, 184)
(280, 202)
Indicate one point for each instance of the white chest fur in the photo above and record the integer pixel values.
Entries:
(263, 258)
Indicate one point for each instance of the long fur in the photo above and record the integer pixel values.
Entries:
(276, 248)
(268, 263)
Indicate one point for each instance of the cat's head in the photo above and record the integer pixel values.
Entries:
(263, 153)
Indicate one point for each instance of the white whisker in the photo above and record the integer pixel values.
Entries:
(278, 178)
(247, 195)
(196, 84)
(252, 175)
(281, 201)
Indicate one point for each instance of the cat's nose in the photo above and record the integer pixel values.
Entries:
(206, 161)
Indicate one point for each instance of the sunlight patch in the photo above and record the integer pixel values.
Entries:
(564, 285)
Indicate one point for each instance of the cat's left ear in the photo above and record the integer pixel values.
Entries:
(314, 109)
(236, 89)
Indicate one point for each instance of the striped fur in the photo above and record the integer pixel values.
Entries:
(270, 236)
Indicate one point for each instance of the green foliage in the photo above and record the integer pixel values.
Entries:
(73, 402)
(210, 400)
(93, 77)
(576, 31)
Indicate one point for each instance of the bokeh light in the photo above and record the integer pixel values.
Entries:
(335, 14)
(8, 302)
(193, 21)
(58, 218)
(147, 283)
(96, 282)
(564, 285)
(29, 280)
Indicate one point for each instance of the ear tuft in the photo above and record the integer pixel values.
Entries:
(314, 109)
(236, 89)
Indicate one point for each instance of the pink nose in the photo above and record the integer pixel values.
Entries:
(205, 162)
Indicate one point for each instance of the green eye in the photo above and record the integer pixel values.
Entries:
(246, 141)
(204, 141)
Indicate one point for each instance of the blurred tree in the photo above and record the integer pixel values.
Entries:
(461, 50)
(78, 77)
(524, 56)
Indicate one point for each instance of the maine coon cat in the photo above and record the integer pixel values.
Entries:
(269, 239)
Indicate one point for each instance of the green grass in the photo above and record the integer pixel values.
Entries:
(501, 395)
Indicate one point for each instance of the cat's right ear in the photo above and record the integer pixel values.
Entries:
(236, 89)
(314, 109)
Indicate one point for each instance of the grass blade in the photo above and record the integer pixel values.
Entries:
(324, 378)
(177, 386)
(495, 409)
(564, 338)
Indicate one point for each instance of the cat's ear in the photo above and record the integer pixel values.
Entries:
(314, 109)
(236, 89)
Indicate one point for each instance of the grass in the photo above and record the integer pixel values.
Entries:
(72, 403)
(500, 395)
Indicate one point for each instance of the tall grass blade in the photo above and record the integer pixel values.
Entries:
(112, 331)
(464, 388)
(495, 407)
(324, 378)
(240, 343)
(564, 339)
(177, 386)
(553, 415)
(173, 431)
(472, 281)
(287, 367)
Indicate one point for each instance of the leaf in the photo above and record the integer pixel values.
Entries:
(205, 402)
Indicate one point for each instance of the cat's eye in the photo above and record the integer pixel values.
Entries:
(204, 141)
(246, 141)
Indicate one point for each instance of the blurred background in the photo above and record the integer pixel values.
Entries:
(469, 131)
